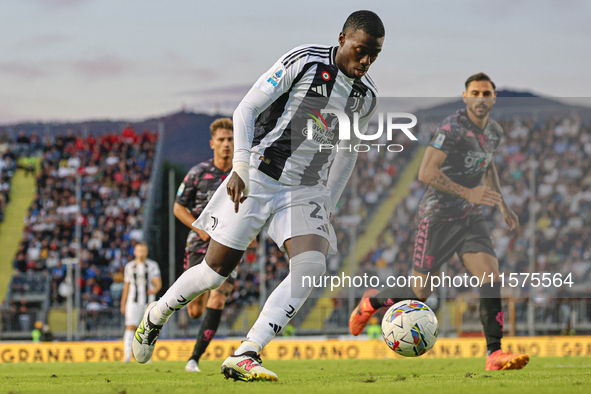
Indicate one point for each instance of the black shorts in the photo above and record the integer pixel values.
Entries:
(192, 259)
(438, 240)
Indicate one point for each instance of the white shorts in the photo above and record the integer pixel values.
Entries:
(134, 313)
(283, 211)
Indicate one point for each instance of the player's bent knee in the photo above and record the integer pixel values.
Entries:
(195, 311)
(312, 263)
(217, 300)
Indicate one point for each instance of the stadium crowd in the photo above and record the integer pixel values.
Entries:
(113, 170)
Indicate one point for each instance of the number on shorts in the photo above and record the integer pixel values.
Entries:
(314, 214)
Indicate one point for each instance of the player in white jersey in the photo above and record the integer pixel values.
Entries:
(279, 183)
(142, 283)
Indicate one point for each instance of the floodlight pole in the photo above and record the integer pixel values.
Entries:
(532, 245)
(78, 273)
(352, 239)
(262, 270)
(171, 229)
(69, 323)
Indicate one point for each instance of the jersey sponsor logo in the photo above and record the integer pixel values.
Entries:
(477, 160)
(325, 76)
(321, 131)
(439, 140)
(208, 176)
(181, 190)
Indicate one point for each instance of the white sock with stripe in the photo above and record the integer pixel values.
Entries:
(285, 301)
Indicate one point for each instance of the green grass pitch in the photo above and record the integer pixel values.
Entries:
(543, 375)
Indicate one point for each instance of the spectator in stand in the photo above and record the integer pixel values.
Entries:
(22, 138)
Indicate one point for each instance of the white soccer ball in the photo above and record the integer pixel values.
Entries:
(410, 328)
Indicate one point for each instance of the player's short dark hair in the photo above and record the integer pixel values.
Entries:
(480, 77)
(221, 123)
(142, 243)
(367, 21)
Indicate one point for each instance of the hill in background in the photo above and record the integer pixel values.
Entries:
(186, 134)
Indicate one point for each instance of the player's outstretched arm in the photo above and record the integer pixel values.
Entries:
(491, 179)
(269, 87)
(431, 174)
(255, 102)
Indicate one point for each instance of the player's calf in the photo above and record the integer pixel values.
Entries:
(196, 308)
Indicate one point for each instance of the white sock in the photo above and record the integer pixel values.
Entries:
(285, 301)
(191, 284)
(127, 341)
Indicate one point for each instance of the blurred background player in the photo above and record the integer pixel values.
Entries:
(459, 157)
(142, 283)
(193, 195)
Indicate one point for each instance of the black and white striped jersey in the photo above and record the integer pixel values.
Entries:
(139, 276)
(301, 84)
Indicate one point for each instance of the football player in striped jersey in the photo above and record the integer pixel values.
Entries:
(280, 182)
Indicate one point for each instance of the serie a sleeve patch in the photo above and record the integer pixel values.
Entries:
(181, 189)
(276, 76)
(439, 141)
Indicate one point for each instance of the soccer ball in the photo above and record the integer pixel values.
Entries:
(410, 328)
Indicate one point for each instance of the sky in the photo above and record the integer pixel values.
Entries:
(133, 59)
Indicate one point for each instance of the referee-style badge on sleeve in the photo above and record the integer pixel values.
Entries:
(439, 141)
(276, 76)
